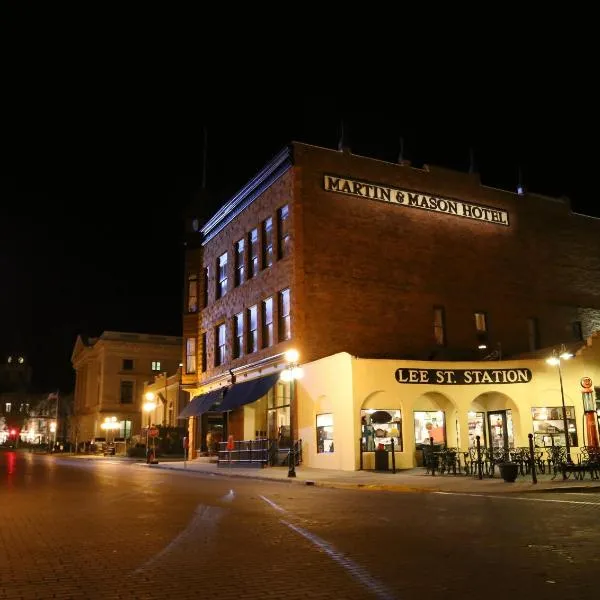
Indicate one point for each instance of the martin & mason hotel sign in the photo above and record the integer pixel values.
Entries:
(411, 199)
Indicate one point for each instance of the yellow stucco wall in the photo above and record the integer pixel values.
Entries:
(342, 385)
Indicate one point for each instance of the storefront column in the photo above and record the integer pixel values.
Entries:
(463, 426)
(193, 452)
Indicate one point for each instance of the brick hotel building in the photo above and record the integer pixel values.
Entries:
(377, 273)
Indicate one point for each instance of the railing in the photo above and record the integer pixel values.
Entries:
(257, 453)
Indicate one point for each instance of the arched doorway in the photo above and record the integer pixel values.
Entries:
(495, 418)
(435, 416)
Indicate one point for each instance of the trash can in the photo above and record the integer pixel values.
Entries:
(381, 460)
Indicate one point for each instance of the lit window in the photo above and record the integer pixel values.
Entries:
(253, 253)
(480, 322)
(285, 326)
(252, 329)
(381, 426)
(549, 426)
(192, 293)
(126, 392)
(238, 335)
(283, 227)
(220, 344)
(267, 323)
(203, 355)
(190, 355)
(430, 424)
(267, 242)
(222, 275)
(324, 433)
(8, 406)
(156, 365)
(240, 256)
(439, 326)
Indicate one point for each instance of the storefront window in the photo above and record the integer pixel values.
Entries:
(380, 426)
(430, 424)
(549, 428)
(278, 413)
(324, 433)
(476, 422)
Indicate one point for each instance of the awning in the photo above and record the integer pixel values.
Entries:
(202, 403)
(248, 391)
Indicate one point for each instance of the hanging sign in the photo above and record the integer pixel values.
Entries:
(411, 199)
(463, 376)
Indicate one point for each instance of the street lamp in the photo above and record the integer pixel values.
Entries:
(555, 360)
(148, 407)
(290, 374)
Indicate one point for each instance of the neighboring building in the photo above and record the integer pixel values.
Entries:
(338, 255)
(170, 400)
(111, 371)
(15, 373)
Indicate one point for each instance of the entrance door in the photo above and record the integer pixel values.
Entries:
(501, 429)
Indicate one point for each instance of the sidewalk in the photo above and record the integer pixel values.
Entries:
(412, 480)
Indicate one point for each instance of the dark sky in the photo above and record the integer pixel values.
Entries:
(91, 204)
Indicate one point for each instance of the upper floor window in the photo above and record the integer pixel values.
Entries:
(240, 256)
(252, 329)
(156, 365)
(126, 392)
(285, 329)
(190, 355)
(192, 293)
(283, 247)
(203, 354)
(480, 322)
(439, 326)
(533, 334)
(219, 344)
(577, 331)
(253, 253)
(8, 406)
(267, 242)
(238, 335)
(267, 322)
(222, 275)
(205, 275)
(127, 364)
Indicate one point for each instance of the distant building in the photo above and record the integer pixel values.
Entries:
(166, 393)
(377, 272)
(111, 371)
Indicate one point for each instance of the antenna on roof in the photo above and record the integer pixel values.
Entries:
(204, 151)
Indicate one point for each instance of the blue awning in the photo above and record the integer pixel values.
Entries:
(202, 403)
(246, 392)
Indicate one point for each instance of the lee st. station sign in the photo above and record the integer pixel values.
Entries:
(463, 376)
(456, 208)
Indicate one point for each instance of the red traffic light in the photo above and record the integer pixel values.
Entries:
(13, 432)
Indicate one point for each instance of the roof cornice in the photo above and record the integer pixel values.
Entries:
(256, 186)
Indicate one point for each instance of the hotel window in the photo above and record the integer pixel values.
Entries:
(533, 334)
(285, 329)
(126, 392)
(267, 242)
(283, 227)
(238, 335)
(481, 329)
(190, 355)
(252, 315)
(125, 429)
(253, 253)
(127, 364)
(239, 262)
(220, 344)
(222, 275)
(192, 306)
(577, 331)
(439, 326)
(156, 365)
(324, 433)
(379, 427)
(205, 275)
(203, 355)
(267, 322)
(278, 413)
(549, 427)
(8, 406)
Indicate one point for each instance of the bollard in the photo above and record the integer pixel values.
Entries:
(432, 457)
(393, 457)
(479, 469)
(532, 458)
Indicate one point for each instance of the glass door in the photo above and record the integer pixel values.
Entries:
(501, 429)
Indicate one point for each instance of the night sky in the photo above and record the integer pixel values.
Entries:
(91, 214)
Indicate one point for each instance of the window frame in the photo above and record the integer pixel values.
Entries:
(268, 332)
(320, 445)
(239, 260)
(220, 345)
(238, 335)
(252, 338)
(191, 362)
(253, 254)
(267, 243)
(221, 278)
(283, 232)
(439, 328)
(284, 318)
(126, 383)
(192, 293)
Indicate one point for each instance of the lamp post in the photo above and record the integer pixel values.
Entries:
(290, 374)
(148, 407)
(555, 359)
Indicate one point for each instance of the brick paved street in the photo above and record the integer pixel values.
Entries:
(112, 529)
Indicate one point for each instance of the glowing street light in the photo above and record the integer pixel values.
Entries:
(555, 360)
(290, 374)
(149, 406)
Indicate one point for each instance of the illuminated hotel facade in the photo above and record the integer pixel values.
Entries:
(419, 293)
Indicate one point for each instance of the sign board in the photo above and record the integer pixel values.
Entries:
(463, 376)
(153, 432)
(230, 443)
